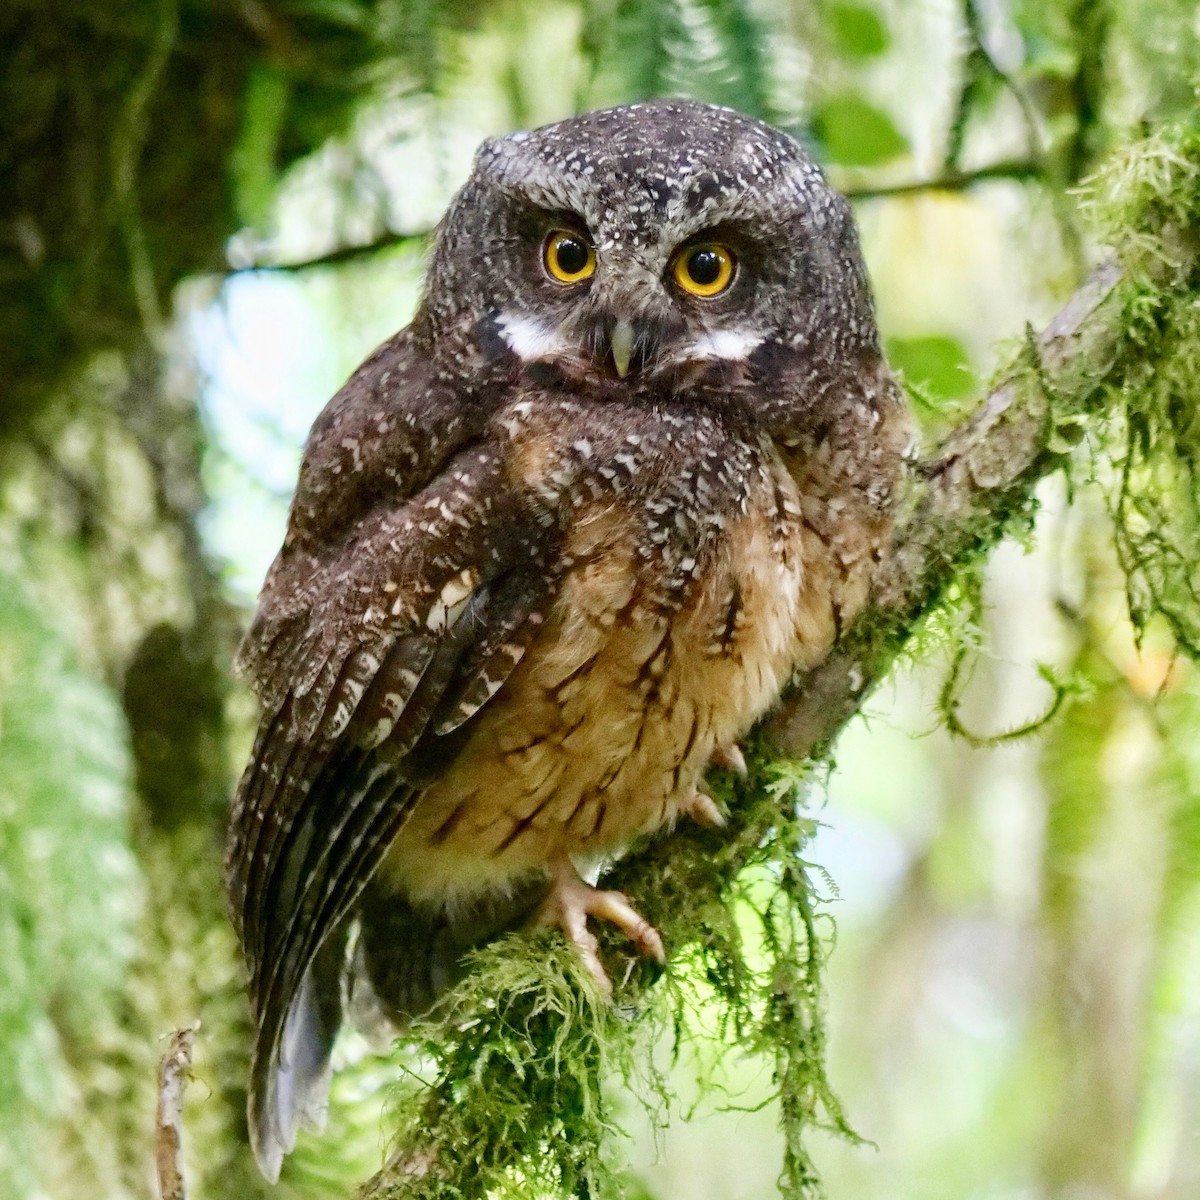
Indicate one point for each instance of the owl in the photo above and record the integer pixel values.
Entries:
(554, 548)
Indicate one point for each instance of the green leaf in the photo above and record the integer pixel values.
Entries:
(937, 363)
(853, 132)
(857, 31)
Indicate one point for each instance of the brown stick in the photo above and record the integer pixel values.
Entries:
(168, 1137)
(1019, 170)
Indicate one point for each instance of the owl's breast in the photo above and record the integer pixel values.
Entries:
(653, 655)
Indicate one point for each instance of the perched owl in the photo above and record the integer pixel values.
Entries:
(554, 548)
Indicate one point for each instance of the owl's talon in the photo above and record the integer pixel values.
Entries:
(704, 810)
(731, 757)
(571, 902)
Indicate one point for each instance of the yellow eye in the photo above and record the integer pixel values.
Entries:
(568, 257)
(704, 270)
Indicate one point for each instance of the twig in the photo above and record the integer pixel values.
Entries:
(168, 1137)
(952, 181)
(980, 61)
(341, 256)
(1092, 20)
(128, 144)
(1018, 169)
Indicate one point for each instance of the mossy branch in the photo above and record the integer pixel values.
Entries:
(962, 502)
(512, 1088)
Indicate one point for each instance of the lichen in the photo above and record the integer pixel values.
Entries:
(509, 1095)
(1121, 414)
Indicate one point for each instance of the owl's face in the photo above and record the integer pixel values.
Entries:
(650, 245)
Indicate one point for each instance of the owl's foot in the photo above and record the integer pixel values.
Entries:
(571, 902)
(703, 809)
(730, 756)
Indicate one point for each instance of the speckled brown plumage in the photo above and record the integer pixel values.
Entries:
(529, 589)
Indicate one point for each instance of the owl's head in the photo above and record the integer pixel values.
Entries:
(650, 246)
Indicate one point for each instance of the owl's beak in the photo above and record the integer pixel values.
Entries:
(621, 343)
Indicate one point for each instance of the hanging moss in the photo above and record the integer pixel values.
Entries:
(1146, 202)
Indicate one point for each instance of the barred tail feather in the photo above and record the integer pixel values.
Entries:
(289, 1076)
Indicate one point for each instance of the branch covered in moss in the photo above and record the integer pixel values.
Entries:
(960, 504)
(512, 1091)
(1123, 353)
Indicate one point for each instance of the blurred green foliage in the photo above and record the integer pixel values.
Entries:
(69, 891)
(857, 31)
(937, 364)
(1013, 1006)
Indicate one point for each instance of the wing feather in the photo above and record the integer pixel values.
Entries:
(488, 662)
(331, 781)
(412, 579)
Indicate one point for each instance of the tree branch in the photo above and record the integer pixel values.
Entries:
(521, 1060)
(341, 256)
(979, 64)
(960, 504)
(1018, 169)
(957, 506)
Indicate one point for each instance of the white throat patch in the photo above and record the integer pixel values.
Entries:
(528, 337)
(724, 343)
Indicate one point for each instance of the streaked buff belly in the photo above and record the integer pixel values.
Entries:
(605, 727)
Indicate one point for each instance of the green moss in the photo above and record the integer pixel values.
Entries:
(1146, 203)
(508, 1096)
(512, 1084)
(1121, 412)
